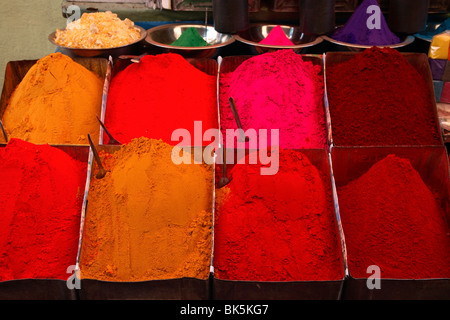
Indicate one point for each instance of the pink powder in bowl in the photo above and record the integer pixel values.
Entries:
(277, 37)
(276, 90)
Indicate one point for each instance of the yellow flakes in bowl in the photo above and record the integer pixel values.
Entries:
(99, 30)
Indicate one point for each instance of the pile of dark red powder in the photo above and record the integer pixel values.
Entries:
(379, 98)
(392, 220)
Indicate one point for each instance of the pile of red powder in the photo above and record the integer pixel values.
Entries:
(41, 193)
(277, 227)
(379, 98)
(160, 94)
(277, 90)
(392, 220)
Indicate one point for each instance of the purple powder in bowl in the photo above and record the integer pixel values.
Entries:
(356, 31)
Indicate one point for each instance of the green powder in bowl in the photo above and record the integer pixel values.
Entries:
(190, 38)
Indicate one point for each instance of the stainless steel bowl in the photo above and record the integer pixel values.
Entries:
(162, 36)
(116, 51)
(257, 32)
(359, 47)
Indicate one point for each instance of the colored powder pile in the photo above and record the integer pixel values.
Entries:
(277, 90)
(356, 29)
(379, 98)
(56, 102)
(429, 34)
(160, 94)
(277, 37)
(148, 218)
(190, 38)
(391, 219)
(41, 193)
(276, 227)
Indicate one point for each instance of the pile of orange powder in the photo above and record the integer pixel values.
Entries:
(148, 218)
(56, 102)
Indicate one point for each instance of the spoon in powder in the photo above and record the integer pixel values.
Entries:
(111, 139)
(4, 132)
(243, 137)
(101, 172)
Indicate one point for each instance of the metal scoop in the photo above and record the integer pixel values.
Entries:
(111, 139)
(101, 172)
(243, 137)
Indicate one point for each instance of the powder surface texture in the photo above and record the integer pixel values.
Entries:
(148, 218)
(276, 228)
(97, 30)
(276, 90)
(391, 219)
(190, 38)
(41, 192)
(277, 37)
(356, 31)
(379, 98)
(56, 102)
(160, 94)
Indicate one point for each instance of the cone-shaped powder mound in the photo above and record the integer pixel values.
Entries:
(392, 220)
(148, 218)
(190, 38)
(41, 193)
(356, 29)
(277, 37)
(276, 227)
(280, 91)
(379, 98)
(159, 95)
(56, 102)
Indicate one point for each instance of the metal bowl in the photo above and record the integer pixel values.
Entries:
(162, 36)
(360, 47)
(116, 51)
(257, 32)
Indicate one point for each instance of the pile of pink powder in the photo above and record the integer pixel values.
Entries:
(276, 90)
(277, 37)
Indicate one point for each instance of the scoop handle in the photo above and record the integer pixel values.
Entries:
(4, 132)
(111, 139)
(96, 156)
